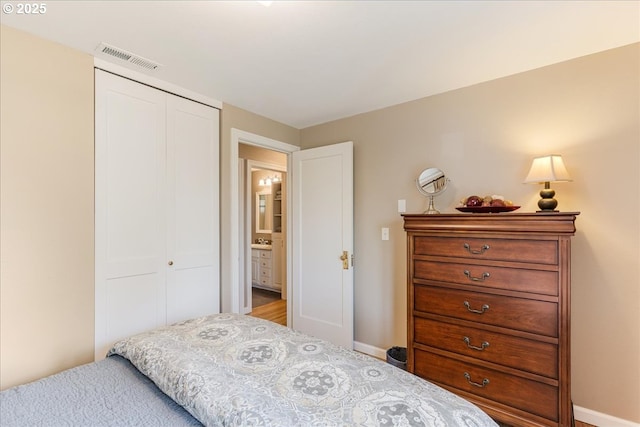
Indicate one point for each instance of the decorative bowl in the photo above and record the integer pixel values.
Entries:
(487, 209)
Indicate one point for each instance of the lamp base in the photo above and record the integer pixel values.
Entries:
(547, 203)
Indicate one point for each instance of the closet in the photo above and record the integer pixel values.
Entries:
(156, 209)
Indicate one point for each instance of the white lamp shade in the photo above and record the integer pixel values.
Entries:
(547, 169)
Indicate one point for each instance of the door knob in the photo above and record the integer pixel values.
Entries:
(170, 262)
(345, 260)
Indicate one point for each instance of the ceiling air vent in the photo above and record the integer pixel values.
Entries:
(127, 56)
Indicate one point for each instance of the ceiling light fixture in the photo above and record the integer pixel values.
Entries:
(268, 180)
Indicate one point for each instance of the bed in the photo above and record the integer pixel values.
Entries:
(234, 370)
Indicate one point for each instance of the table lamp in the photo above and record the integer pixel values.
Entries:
(545, 170)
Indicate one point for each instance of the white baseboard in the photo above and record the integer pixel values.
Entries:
(599, 419)
(580, 414)
(370, 350)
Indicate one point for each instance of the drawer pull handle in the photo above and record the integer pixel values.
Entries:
(468, 342)
(475, 252)
(485, 381)
(485, 307)
(476, 279)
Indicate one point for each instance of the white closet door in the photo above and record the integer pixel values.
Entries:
(193, 287)
(157, 209)
(130, 215)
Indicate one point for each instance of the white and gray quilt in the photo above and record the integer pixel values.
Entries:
(236, 370)
(108, 393)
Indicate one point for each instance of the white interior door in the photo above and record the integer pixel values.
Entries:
(129, 209)
(192, 210)
(322, 201)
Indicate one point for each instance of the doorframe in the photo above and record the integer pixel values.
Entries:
(236, 245)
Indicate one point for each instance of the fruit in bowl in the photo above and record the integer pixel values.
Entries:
(477, 201)
(473, 201)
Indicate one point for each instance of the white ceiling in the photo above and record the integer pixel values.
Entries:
(308, 62)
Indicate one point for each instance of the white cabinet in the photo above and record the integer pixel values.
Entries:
(156, 209)
(255, 267)
(262, 269)
(264, 276)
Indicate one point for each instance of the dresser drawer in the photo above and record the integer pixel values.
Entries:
(493, 347)
(265, 263)
(521, 393)
(265, 254)
(538, 317)
(516, 279)
(265, 281)
(533, 251)
(265, 272)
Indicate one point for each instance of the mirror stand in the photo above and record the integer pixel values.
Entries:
(431, 209)
(430, 183)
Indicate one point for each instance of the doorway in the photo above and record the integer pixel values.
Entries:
(241, 249)
(265, 227)
(313, 261)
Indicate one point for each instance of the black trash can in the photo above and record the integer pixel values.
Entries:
(397, 356)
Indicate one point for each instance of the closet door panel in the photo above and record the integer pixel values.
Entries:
(192, 209)
(137, 295)
(134, 176)
(130, 199)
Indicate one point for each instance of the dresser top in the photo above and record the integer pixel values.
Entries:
(534, 222)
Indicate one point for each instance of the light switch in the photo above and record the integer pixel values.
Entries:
(385, 233)
(402, 206)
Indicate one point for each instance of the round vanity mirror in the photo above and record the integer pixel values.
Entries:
(431, 182)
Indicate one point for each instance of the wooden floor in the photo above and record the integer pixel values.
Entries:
(275, 311)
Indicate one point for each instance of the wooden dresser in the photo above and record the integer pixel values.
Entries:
(489, 311)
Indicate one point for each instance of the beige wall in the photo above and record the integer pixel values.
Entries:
(484, 138)
(233, 117)
(46, 208)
